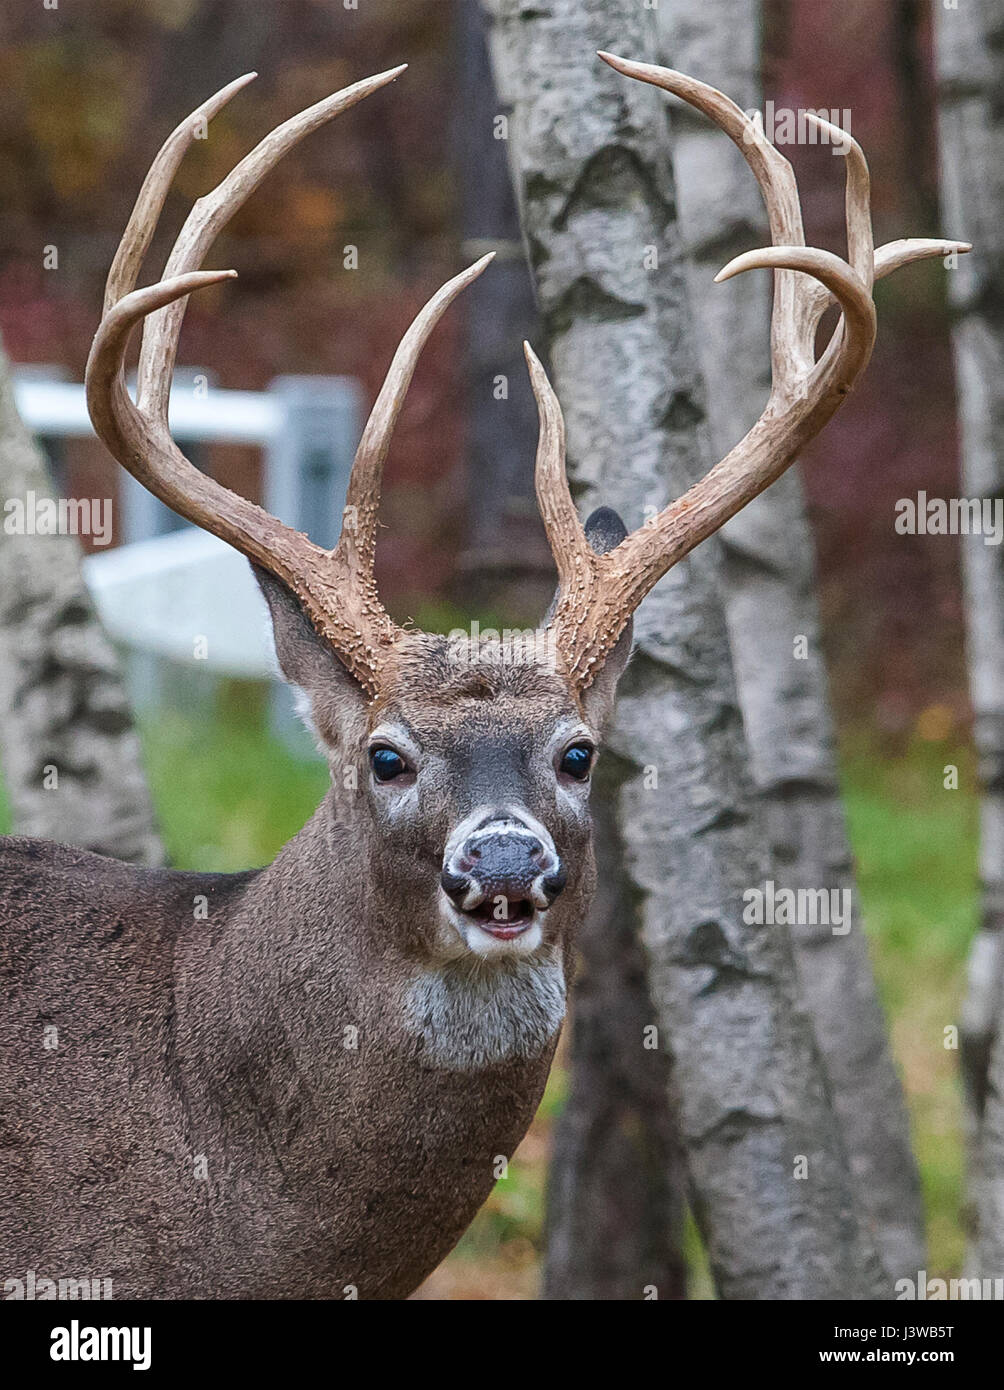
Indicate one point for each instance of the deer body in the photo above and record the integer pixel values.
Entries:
(303, 1081)
(300, 1080)
(239, 1106)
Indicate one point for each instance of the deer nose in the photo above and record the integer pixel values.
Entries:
(553, 883)
(455, 886)
(504, 862)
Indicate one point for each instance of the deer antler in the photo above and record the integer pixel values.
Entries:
(336, 587)
(598, 593)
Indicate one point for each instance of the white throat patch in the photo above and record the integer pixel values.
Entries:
(471, 1016)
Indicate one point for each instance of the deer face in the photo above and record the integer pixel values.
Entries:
(472, 771)
(477, 779)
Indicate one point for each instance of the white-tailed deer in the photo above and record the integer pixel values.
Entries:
(300, 1080)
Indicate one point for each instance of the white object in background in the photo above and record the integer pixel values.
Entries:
(182, 594)
(231, 417)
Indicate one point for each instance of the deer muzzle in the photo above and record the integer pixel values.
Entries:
(501, 873)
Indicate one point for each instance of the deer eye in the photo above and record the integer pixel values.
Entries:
(577, 761)
(387, 764)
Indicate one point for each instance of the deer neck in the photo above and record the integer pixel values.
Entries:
(305, 982)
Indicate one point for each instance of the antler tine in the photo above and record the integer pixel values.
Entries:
(857, 198)
(130, 436)
(791, 335)
(890, 257)
(208, 218)
(149, 204)
(357, 544)
(907, 249)
(858, 221)
(565, 532)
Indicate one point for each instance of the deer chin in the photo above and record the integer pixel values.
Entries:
(521, 934)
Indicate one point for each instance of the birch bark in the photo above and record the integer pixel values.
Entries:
(970, 67)
(770, 1183)
(68, 748)
(773, 620)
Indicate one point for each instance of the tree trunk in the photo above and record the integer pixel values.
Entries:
(615, 1200)
(970, 61)
(750, 1096)
(773, 624)
(69, 751)
(987, 1253)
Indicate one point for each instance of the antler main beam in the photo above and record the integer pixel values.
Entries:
(336, 588)
(598, 593)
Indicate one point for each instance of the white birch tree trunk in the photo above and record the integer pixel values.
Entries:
(769, 574)
(68, 748)
(769, 1180)
(970, 64)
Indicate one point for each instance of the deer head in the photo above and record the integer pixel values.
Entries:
(470, 768)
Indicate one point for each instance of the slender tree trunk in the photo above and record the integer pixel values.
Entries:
(970, 60)
(616, 1179)
(69, 751)
(987, 1252)
(769, 1179)
(773, 624)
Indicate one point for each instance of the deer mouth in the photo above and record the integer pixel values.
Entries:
(504, 920)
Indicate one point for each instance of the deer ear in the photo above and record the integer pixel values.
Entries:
(604, 530)
(331, 696)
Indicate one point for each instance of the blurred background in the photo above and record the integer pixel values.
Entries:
(414, 180)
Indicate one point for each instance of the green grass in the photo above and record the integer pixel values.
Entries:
(916, 847)
(229, 797)
(915, 844)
